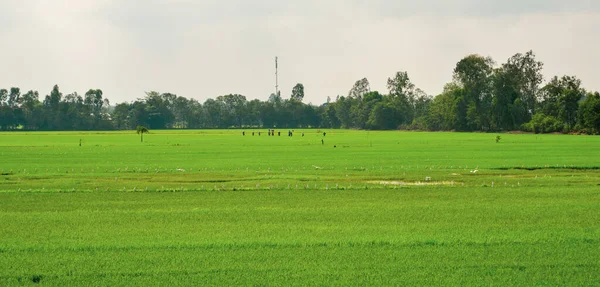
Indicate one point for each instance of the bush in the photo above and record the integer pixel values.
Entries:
(541, 123)
(419, 124)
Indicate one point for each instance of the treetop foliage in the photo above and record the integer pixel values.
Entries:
(481, 97)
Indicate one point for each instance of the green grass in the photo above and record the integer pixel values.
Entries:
(216, 208)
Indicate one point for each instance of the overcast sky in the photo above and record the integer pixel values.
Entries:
(203, 49)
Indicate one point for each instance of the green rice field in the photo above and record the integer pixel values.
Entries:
(351, 208)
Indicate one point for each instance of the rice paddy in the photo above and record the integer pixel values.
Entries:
(349, 208)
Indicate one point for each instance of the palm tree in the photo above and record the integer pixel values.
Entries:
(141, 130)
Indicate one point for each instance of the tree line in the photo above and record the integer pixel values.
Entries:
(482, 96)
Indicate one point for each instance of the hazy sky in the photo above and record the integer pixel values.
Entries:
(203, 49)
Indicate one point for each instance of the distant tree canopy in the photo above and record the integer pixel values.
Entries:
(481, 97)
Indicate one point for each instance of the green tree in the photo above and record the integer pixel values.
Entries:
(442, 112)
(569, 101)
(589, 114)
(342, 111)
(3, 96)
(159, 110)
(516, 89)
(329, 116)
(13, 97)
(403, 96)
(30, 104)
(181, 109)
(474, 75)
(235, 106)
(94, 102)
(54, 119)
(298, 92)
(141, 130)
(382, 115)
(120, 116)
(213, 117)
(560, 99)
(360, 88)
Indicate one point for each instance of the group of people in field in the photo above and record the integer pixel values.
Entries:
(272, 132)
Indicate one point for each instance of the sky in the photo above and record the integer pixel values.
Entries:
(203, 49)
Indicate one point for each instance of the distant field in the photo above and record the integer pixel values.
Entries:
(360, 208)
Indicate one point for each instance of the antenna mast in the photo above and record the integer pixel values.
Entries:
(276, 78)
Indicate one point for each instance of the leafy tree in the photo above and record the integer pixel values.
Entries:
(233, 110)
(29, 103)
(360, 88)
(400, 85)
(342, 111)
(182, 112)
(3, 96)
(474, 75)
(13, 97)
(403, 95)
(329, 116)
(94, 102)
(195, 114)
(589, 114)
(141, 130)
(275, 98)
(442, 112)
(54, 117)
(120, 116)
(381, 116)
(213, 115)
(569, 101)
(363, 108)
(298, 92)
(159, 110)
(560, 99)
(516, 88)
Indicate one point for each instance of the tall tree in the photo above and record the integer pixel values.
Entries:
(120, 116)
(234, 105)
(516, 88)
(474, 75)
(589, 114)
(404, 96)
(13, 97)
(158, 108)
(52, 103)
(360, 88)
(3, 96)
(560, 99)
(442, 112)
(31, 105)
(298, 92)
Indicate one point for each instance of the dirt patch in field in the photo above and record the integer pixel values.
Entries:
(414, 183)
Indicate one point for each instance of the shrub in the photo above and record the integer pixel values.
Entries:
(541, 123)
